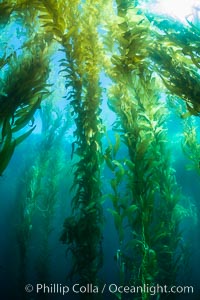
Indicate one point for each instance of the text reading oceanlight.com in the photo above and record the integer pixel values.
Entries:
(57, 288)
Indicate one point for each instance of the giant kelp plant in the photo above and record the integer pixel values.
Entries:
(39, 196)
(144, 56)
(151, 185)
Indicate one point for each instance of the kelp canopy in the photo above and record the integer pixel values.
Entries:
(171, 50)
(144, 56)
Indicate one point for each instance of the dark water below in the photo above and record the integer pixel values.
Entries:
(11, 187)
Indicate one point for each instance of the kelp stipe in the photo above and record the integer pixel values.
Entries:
(145, 195)
(83, 229)
(39, 198)
(50, 169)
(141, 118)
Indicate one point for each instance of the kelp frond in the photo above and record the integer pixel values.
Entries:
(24, 87)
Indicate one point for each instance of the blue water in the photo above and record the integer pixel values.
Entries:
(32, 255)
(12, 185)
